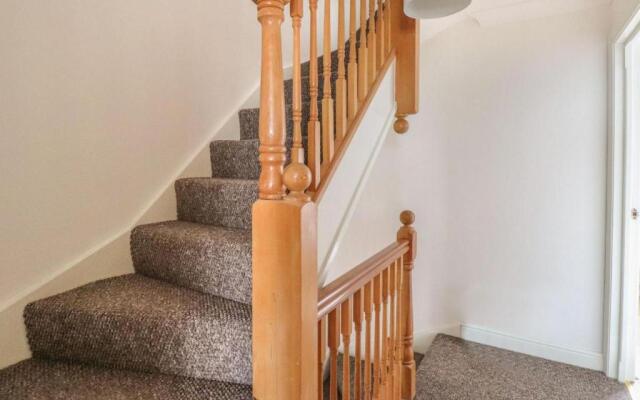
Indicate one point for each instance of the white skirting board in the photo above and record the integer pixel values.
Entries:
(584, 359)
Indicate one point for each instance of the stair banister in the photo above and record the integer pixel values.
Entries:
(290, 338)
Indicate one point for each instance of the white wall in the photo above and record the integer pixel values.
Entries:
(504, 167)
(621, 11)
(102, 105)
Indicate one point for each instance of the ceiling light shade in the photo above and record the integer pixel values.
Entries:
(434, 8)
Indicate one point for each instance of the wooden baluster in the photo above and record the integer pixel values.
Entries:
(297, 153)
(385, 332)
(357, 320)
(334, 343)
(346, 326)
(392, 330)
(387, 31)
(381, 36)
(407, 233)
(363, 81)
(371, 43)
(352, 92)
(341, 83)
(313, 126)
(327, 100)
(367, 340)
(272, 124)
(322, 355)
(376, 338)
(398, 344)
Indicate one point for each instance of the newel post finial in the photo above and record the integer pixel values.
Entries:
(408, 376)
(401, 126)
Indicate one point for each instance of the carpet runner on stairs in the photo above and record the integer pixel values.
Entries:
(180, 327)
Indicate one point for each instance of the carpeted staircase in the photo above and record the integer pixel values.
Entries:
(180, 327)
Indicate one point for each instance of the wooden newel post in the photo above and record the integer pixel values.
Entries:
(405, 36)
(408, 375)
(284, 269)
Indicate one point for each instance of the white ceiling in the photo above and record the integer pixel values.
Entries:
(492, 12)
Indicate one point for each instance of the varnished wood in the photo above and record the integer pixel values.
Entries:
(336, 292)
(385, 323)
(313, 126)
(346, 324)
(380, 34)
(352, 85)
(357, 322)
(329, 170)
(408, 235)
(322, 355)
(399, 330)
(387, 32)
(376, 337)
(284, 349)
(372, 61)
(363, 52)
(271, 124)
(297, 176)
(392, 329)
(406, 40)
(328, 139)
(297, 152)
(367, 303)
(341, 83)
(333, 340)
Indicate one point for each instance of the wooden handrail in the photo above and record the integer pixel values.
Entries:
(294, 324)
(332, 295)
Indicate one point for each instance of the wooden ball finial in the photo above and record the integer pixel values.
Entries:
(407, 217)
(297, 178)
(401, 126)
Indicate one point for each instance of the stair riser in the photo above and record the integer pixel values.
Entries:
(197, 257)
(249, 121)
(197, 344)
(239, 159)
(216, 202)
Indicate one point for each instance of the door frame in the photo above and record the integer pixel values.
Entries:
(622, 262)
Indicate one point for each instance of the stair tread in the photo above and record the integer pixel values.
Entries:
(216, 201)
(143, 324)
(51, 380)
(208, 258)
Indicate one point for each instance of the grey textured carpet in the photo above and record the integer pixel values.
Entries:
(180, 327)
(454, 369)
(50, 380)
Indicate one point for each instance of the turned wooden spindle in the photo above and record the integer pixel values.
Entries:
(334, 343)
(297, 176)
(387, 32)
(322, 355)
(357, 321)
(313, 126)
(385, 332)
(327, 101)
(408, 233)
(272, 123)
(392, 329)
(363, 81)
(367, 303)
(380, 35)
(341, 83)
(352, 86)
(371, 43)
(346, 326)
(398, 342)
(376, 337)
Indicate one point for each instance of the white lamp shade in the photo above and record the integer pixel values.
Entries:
(434, 8)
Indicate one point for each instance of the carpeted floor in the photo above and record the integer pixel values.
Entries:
(454, 369)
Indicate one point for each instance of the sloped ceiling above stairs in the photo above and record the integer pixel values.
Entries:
(492, 12)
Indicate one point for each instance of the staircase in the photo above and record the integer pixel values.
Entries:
(181, 326)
